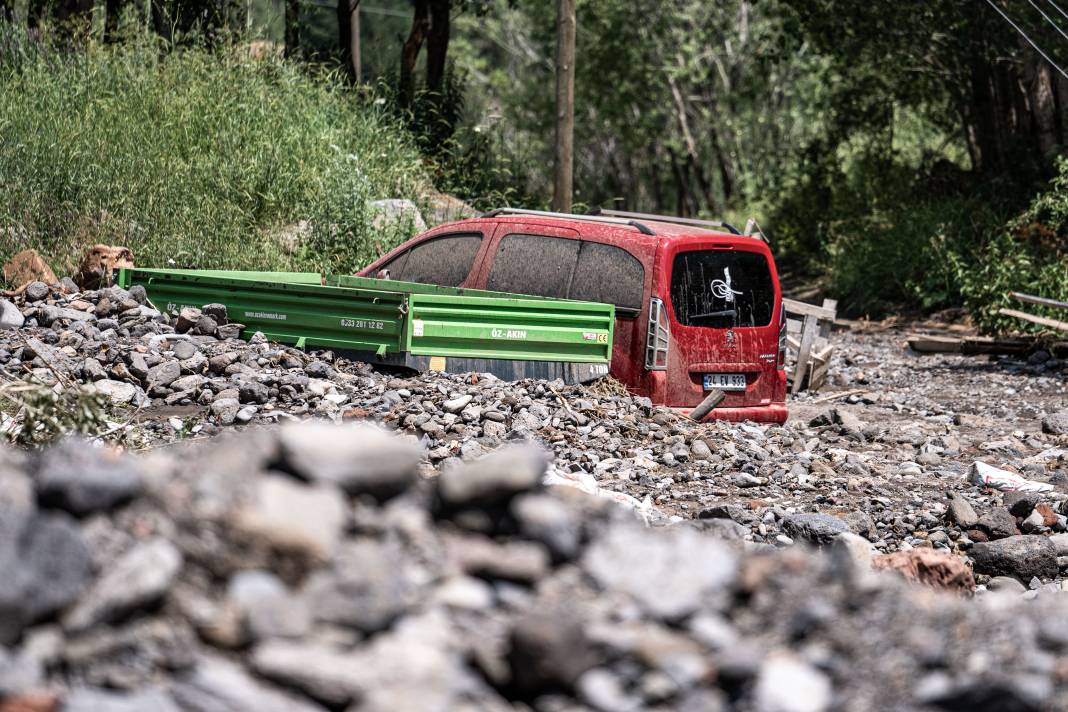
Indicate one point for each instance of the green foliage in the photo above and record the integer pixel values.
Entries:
(464, 158)
(1030, 255)
(191, 157)
(41, 413)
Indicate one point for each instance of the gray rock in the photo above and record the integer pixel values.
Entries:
(549, 648)
(457, 404)
(1060, 543)
(699, 450)
(670, 574)
(268, 607)
(998, 523)
(218, 685)
(815, 529)
(138, 366)
(225, 410)
(788, 684)
(82, 699)
(324, 673)
(318, 369)
(164, 374)
(1021, 556)
(1021, 504)
(962, 513)
(494, 478)
(183, 349)
(206, 325)
(253, 392)
(138, 294)
(1056, 423)
(187, 319)
(93, 370)
(81, 479)
(10, 316)
(397, 214)
(370, 585)
(19, 673)
(46, 565)
(549, 521)
(360, 459)
(855, 549)
(138, 578)
(1006, 584)
(605, 691)
(49, 314)
(119, 392)
(36, 291)
(293, 517)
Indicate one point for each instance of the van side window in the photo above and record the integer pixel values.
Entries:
(533, 264)
(609, 274)
(444, 261)
(395, 267)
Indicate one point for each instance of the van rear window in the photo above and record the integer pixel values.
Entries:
(722, 289)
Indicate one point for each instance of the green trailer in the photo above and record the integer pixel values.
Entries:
(401, 324)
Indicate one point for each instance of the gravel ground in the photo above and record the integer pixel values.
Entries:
(326, 565)
(880, 453)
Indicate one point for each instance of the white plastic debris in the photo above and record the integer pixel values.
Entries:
(586, 482)
(986, 475)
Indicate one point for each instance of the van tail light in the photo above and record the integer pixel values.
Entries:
(781, 363)
(658, 337)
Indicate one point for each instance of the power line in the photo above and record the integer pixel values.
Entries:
(1058, 8)
(1030, 41)
(1048, 19)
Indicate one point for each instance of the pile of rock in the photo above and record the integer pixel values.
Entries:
(311, 567)
(883, 476)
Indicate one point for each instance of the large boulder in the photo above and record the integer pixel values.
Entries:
(1022, 556)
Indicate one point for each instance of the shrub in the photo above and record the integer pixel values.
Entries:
(192, 158)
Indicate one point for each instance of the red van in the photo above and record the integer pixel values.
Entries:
(698, 305)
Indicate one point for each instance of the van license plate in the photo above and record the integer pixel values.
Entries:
(725, 381)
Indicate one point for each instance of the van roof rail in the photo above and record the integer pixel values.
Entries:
(718, 224)
(611, 219)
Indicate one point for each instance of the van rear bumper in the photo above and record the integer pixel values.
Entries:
(774, 413)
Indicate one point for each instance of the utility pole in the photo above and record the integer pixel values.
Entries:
(565, 106)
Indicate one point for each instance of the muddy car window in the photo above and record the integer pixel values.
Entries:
(609, 274)
(445, 261)
(533, 264)
(395, 267)
(721, 289)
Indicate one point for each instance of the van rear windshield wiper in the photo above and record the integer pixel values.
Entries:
(725, 312)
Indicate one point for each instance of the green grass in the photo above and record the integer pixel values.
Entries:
(189, 157)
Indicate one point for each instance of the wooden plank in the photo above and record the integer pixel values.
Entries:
(795, 307)
(793, 326)
(808, 335)
(926, 344)
(713, 399)
(970, 346)
(821, 365)
(825, 327)
(1041, 301)
(793, 343)
(1034, 319)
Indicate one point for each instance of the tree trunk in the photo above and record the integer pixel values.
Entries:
(410, 51)
(348, 37)
(112, 11)
(563, 183)
(292, 32)
(437, 45)
(983, 133)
